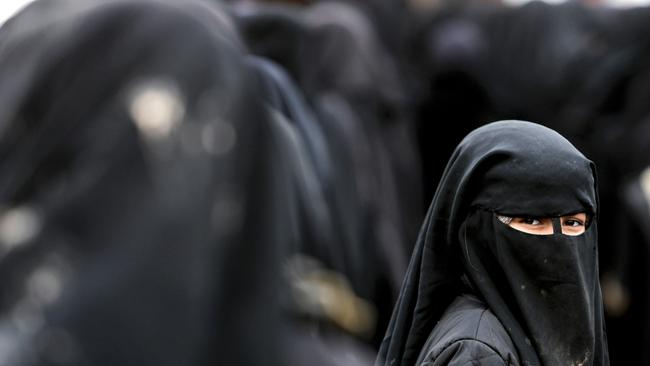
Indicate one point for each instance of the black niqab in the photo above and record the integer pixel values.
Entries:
(543, 289)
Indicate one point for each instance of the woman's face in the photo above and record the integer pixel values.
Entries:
(574, 224)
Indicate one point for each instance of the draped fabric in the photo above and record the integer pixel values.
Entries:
(147, 222)
(544, 290)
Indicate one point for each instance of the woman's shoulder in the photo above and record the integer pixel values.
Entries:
(468, 333)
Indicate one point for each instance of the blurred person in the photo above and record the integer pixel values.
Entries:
(144, 211)
(488, 62)
(327, 319)
(355, 97)
(505, 271)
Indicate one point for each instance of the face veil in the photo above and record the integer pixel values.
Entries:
(543, 289)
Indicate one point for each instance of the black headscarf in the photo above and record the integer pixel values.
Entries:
(544, 289)
(143, 218)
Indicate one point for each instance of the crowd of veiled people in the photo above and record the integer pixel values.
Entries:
(243, 182)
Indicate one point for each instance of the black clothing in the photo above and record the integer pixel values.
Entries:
(468, 331)
(626, 284)
(547, 284)
(544, 290)
(353, 87)
(581, 70)
(135, 145)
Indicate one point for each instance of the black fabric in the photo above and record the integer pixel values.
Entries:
(468, 333)
(581, 70)
(353, 87)
(156, 239)
(468, 352)
(306, 159)
(626, 284)
(544, 288)
(496, 168)
(295, 137)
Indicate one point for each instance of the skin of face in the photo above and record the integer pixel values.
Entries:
(573, 225)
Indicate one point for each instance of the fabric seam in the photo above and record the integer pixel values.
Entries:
(466, 339)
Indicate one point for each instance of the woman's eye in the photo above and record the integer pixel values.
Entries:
(531, 221)
(530, 225)
(573, 223)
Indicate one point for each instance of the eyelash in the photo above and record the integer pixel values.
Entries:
(573, 223)
(567, 222)
(531, 221)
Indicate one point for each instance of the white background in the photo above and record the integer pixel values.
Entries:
(9, 7)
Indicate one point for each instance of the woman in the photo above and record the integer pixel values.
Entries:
(505, 271)
(143, 216)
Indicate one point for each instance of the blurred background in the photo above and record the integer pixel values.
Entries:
(242, 182)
